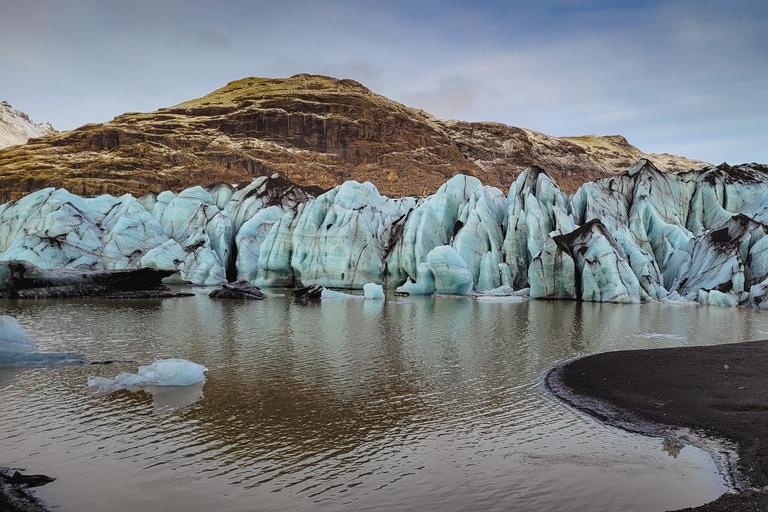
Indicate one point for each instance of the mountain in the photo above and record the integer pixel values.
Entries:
(17, 128)
(316, 130)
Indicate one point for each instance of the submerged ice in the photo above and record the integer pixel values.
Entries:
(644, 235)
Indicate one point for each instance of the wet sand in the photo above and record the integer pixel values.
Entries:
(720, 392)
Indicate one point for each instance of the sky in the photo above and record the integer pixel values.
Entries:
(687, 77)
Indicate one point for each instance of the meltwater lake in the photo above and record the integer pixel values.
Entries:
(410, 403)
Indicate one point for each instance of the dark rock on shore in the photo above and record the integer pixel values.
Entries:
(720, 391)
(238, 290)
(311, 292)
(751, 502)
(23, 280)
(14, 496)
(30, 480)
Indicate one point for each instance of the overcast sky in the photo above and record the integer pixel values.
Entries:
(683, 77)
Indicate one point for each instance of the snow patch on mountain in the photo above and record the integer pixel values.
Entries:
(17, 128)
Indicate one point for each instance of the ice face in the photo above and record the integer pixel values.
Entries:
(163, 372)
(535, 207)
(427, 225)
(250, 238)
(337, 240)
(130, 233)
(480, 238)
(203, 231)
(660, 236)
(51, 228)
(585, 264)
(444, 272)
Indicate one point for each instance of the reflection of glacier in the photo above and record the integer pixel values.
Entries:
(642, 236)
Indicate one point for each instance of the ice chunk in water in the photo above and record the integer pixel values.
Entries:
(332, 294)
(163, 372)
(373, 291)
(14, 337)
(18, 349)
(500, 298)
(660, 336)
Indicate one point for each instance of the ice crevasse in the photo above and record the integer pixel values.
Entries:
(639, 236)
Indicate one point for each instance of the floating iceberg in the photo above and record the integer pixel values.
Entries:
(14, 337)
(373, 291)
(333, 294)
(18, 349)
(500, 298)
(163, 372)
(660, 336)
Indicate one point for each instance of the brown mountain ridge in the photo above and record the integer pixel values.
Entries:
(316, 130)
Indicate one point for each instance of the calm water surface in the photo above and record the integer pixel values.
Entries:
(413, 403)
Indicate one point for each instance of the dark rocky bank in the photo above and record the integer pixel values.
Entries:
(720, 392)
(15, 495)
(23, 280)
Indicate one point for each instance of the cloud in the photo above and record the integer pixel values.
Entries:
(208, 38)
(364, 71)
(677, 76)
(452, 97)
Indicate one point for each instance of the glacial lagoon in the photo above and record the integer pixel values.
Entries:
(408, 403)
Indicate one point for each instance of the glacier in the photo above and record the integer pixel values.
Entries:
(644, 235)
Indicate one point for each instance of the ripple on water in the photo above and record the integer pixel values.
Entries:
(419, 404)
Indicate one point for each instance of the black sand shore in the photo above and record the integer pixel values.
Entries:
(718, 391)
(15, 495)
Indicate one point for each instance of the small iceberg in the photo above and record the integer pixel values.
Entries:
(373, 291)
(332, 294)
(503, 293)
(501, 298)
(660, 336)
(163, 372)
(18, 349)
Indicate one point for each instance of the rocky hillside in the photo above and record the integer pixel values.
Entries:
(317, 131)
(17, 128)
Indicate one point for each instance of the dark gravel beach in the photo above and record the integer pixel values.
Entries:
(15, 495)
(719, 390)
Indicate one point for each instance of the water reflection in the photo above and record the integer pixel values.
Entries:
(409, 403)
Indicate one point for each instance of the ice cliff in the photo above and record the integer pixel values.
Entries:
(644, 235)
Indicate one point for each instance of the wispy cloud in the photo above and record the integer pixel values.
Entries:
(207, 38)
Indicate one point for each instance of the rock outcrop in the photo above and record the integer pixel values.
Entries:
(238, 290)
(316, 130)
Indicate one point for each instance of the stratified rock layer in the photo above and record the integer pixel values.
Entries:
(317, 131)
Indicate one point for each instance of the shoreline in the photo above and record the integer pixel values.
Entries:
(713, 397)
(17, 497)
